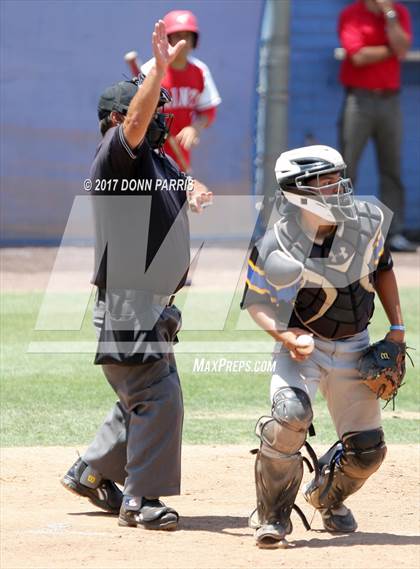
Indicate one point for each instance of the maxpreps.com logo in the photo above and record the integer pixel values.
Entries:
(204, 365)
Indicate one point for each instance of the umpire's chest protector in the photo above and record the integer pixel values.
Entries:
(336, 297)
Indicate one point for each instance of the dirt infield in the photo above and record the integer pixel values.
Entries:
(44, 526)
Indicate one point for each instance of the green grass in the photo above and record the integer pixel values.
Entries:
(59, 399)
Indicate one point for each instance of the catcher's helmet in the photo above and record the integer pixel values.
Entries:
(181, 21)
(296, 168)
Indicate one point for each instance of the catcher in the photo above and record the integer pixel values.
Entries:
(311, 285)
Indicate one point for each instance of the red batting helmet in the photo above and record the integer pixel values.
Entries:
(181, 21)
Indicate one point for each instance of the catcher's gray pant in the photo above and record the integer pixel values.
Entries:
(332, 367)
(139, 444)
(366, 115)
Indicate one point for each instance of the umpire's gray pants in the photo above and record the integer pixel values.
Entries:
(367, 115)
(332, 367)
(139, 444)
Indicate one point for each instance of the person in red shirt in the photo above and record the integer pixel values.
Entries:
(194, 93)
(376, 35)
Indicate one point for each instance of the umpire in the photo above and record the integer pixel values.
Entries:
(141, 260)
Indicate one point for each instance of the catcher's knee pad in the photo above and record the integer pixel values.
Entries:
(346, 466)
(292, 415)
(363, 453)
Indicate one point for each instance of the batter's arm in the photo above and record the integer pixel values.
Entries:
(265, 317)
(190, 135)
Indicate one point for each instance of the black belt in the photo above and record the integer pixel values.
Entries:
(382, 93)
(160, 299)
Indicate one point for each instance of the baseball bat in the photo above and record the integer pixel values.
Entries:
(131, 58)
(178, 153)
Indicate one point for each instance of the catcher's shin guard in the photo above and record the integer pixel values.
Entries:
(277, 479)
(346, 467)
(279, 464)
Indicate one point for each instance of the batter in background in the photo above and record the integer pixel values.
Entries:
(190, 83)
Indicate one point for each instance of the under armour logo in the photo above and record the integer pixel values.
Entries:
(384, 356)
(342, 253)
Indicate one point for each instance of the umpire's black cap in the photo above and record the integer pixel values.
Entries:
(116, 98)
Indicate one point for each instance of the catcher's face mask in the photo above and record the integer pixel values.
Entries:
(327, 194)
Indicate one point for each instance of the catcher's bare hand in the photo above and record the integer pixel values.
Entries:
(164, 53)
(289, 338)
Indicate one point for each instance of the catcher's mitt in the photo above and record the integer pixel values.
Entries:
(382, 368)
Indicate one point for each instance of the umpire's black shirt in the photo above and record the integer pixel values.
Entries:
(132, 231)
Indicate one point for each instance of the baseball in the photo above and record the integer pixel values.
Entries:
(305, 344)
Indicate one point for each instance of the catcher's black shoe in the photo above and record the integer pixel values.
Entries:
(84, 481)
(338, 519)
(148, 513)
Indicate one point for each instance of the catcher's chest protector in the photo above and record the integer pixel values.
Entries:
(336, 298)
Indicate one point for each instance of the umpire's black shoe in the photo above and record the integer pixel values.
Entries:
(84, 481)
(148, 513)
(338, 519)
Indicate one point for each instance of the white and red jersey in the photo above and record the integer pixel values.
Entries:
(193, 92)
